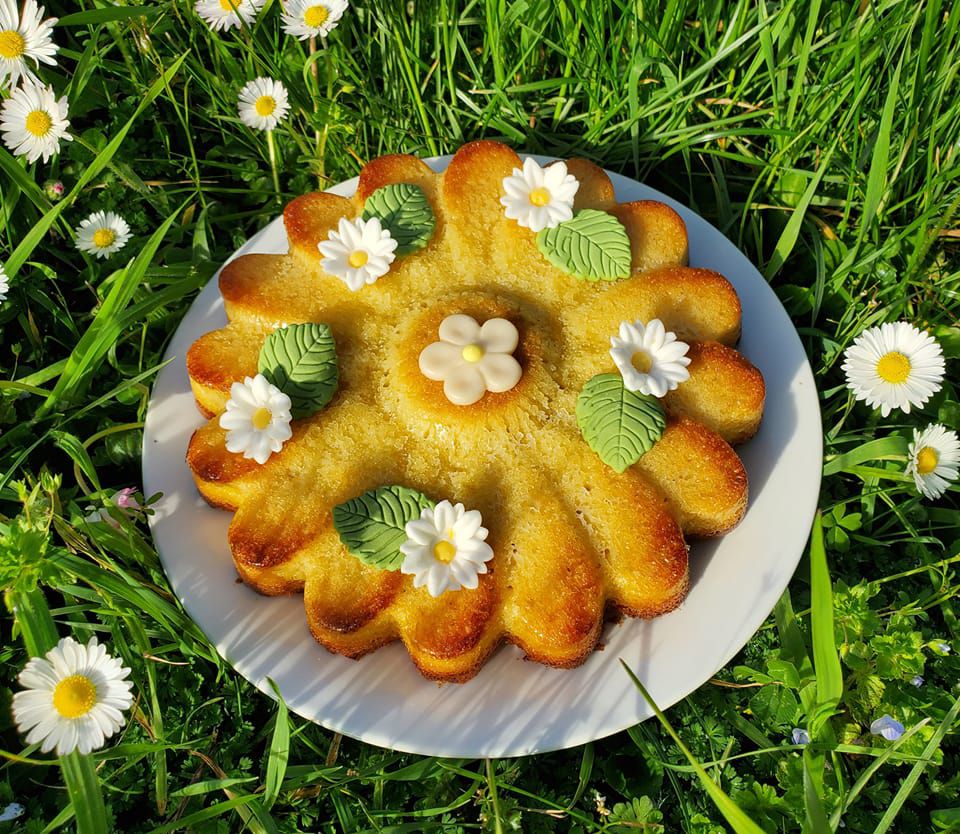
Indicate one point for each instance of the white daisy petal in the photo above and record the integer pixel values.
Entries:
(221, 15)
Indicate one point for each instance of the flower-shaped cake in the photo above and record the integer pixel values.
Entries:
(573, 540)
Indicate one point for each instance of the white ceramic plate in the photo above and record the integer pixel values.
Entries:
(513, 707)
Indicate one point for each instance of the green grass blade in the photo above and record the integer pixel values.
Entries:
(877, 178)
(826, 660)
(107, 15)
(279, 753)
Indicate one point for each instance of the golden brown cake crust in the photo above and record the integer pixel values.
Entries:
(572, 539)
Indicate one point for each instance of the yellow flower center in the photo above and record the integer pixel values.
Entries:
(38, 123)
(12, 44)
(316, 16)
(473, 353)
(102, 238)
(229, 6)
(641, 361)
(358, 258)
(261, 418)
(539, 196)
(927, 460)
(265, 105)
(444, 551)
(74, 696)
(893, 367)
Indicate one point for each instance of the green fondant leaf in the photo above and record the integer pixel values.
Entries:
(301, 360)
(592, 245)
(371, 526)
(405, 210)
(619, 425)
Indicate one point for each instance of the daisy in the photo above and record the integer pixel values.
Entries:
(312, 18)
(222, 15)
(539, 198)
(888, 727)
(74, 698)
(649, 357)
(934, 459)
(102, 234)
(257, 418)
(359, 252)
(445, 548)
(894, 365)
(33, 121)
(4, 284)
(263, 104)
(24, 34)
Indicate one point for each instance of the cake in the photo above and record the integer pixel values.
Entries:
(480, 406)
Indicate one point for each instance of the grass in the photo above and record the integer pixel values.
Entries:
(821, 137)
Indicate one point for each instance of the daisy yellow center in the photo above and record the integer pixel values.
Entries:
(539, 196)
(74, 696)
(12, 44)
(641, 361)
(265, 105)
(927, 460)
(38, 123)
(444, 552)
(261, 418)
(102, 238)
(358, 259)
(473, 353)
(893, 367)
(316, 16)
(228, 6)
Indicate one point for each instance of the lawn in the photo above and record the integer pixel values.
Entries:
(821, 136)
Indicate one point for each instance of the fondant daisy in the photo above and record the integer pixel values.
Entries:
(221, 15)
(445, 548)
(257, 418)
(74, 698)
(24, 35)
(305, 19)
(649, 357)
(263, 103)
(33, 121)
(358, 252)
(894, 365)
(471, 360)
(102, 234)
(4, 284)
(934, 459)
(539, 198)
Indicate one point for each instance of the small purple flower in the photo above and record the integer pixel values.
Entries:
(11, 812)
(122, 499)
(888, 727)
(943, 648)
(800, 736)
(917, 681)
(53, 189)
(125, 499)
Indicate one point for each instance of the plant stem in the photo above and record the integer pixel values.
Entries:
(272, 151)
(494, 798)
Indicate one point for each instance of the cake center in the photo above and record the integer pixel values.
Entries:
(74, 696)
(38, 123)
(358, 259)
(893, 367)
(642, 361)
(12, 44)
(927, 460)
(444, 551)
(316, 16)
(102, 238)
(539, 196)
(261, 418)
(473, 353)
(265, 105)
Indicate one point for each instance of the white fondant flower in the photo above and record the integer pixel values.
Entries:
(102, 234)
(257, 418)
(539, 198)
(471, 360)
(650, 358)
(312, 18)
(888, 727)
(74, 698)
(221, 15)
(24, 34)
(359, 252)
(894, 365)
(446, 548)
(33, 121)
(4, 284)
(263, 103)
(934, 459)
